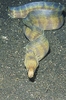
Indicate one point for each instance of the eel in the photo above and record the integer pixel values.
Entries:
(37, 17)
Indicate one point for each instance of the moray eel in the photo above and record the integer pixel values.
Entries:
(37, 17)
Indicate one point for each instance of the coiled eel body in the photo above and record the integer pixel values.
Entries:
(22, 11)
(37, 17)
(46, 21)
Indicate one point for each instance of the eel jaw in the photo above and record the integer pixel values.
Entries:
(31, 72)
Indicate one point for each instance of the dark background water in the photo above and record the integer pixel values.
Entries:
(50, 80)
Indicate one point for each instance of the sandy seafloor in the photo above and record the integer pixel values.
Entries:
(50, 79)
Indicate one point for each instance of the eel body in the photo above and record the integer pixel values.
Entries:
(22, 11)
(37, 17)
(35, 51)
(44, 19)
